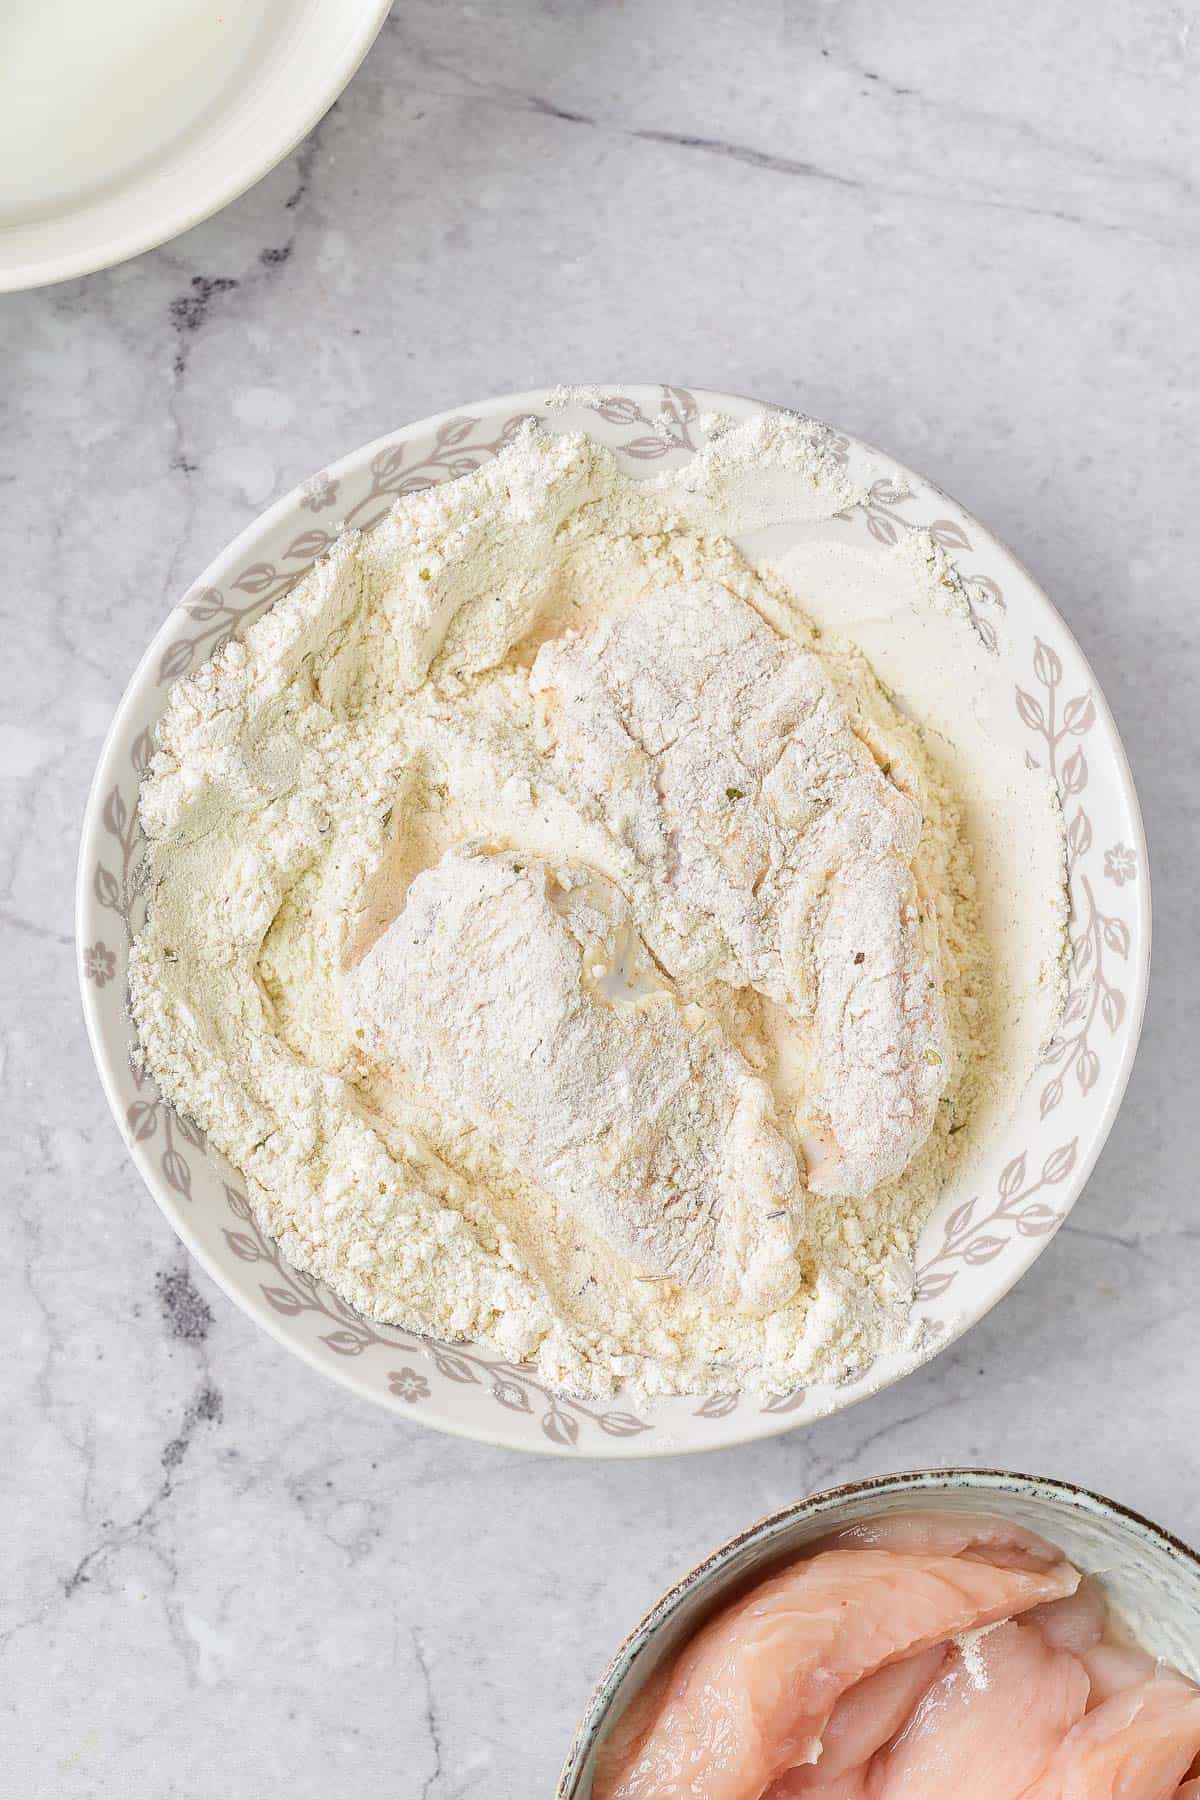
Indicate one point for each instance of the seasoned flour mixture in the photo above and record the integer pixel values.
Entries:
(571, 943)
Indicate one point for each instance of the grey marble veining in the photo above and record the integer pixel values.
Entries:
(970, 234)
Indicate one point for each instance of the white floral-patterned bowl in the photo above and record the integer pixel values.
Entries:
(975, 1245)
(1152, 1578)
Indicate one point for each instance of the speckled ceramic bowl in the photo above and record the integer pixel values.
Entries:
(1152, 1578)
(981, 1237)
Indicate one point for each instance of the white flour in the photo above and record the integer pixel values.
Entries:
(520, 997)
(771, 852)
(381, 713)
(974, 1659)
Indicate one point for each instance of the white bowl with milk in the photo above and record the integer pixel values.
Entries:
(124, 124)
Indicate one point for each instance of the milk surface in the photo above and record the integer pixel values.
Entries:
(92, 91)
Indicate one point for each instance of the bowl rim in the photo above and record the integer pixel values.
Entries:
(748, 1429)
(99, 249)
(773, 1524)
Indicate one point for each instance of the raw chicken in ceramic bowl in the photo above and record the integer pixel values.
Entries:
(949, 1632)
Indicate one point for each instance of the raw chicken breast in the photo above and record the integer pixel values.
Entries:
(806, 1784)
(1076, 1624)
(778, 853)
(522, 996)
(1113, 1668)
(866, 1716)
(988, 1725)
(1138, 1745)
(751, 1695)
(978, 1536)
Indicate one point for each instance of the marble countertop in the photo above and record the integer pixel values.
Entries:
(973, 243)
